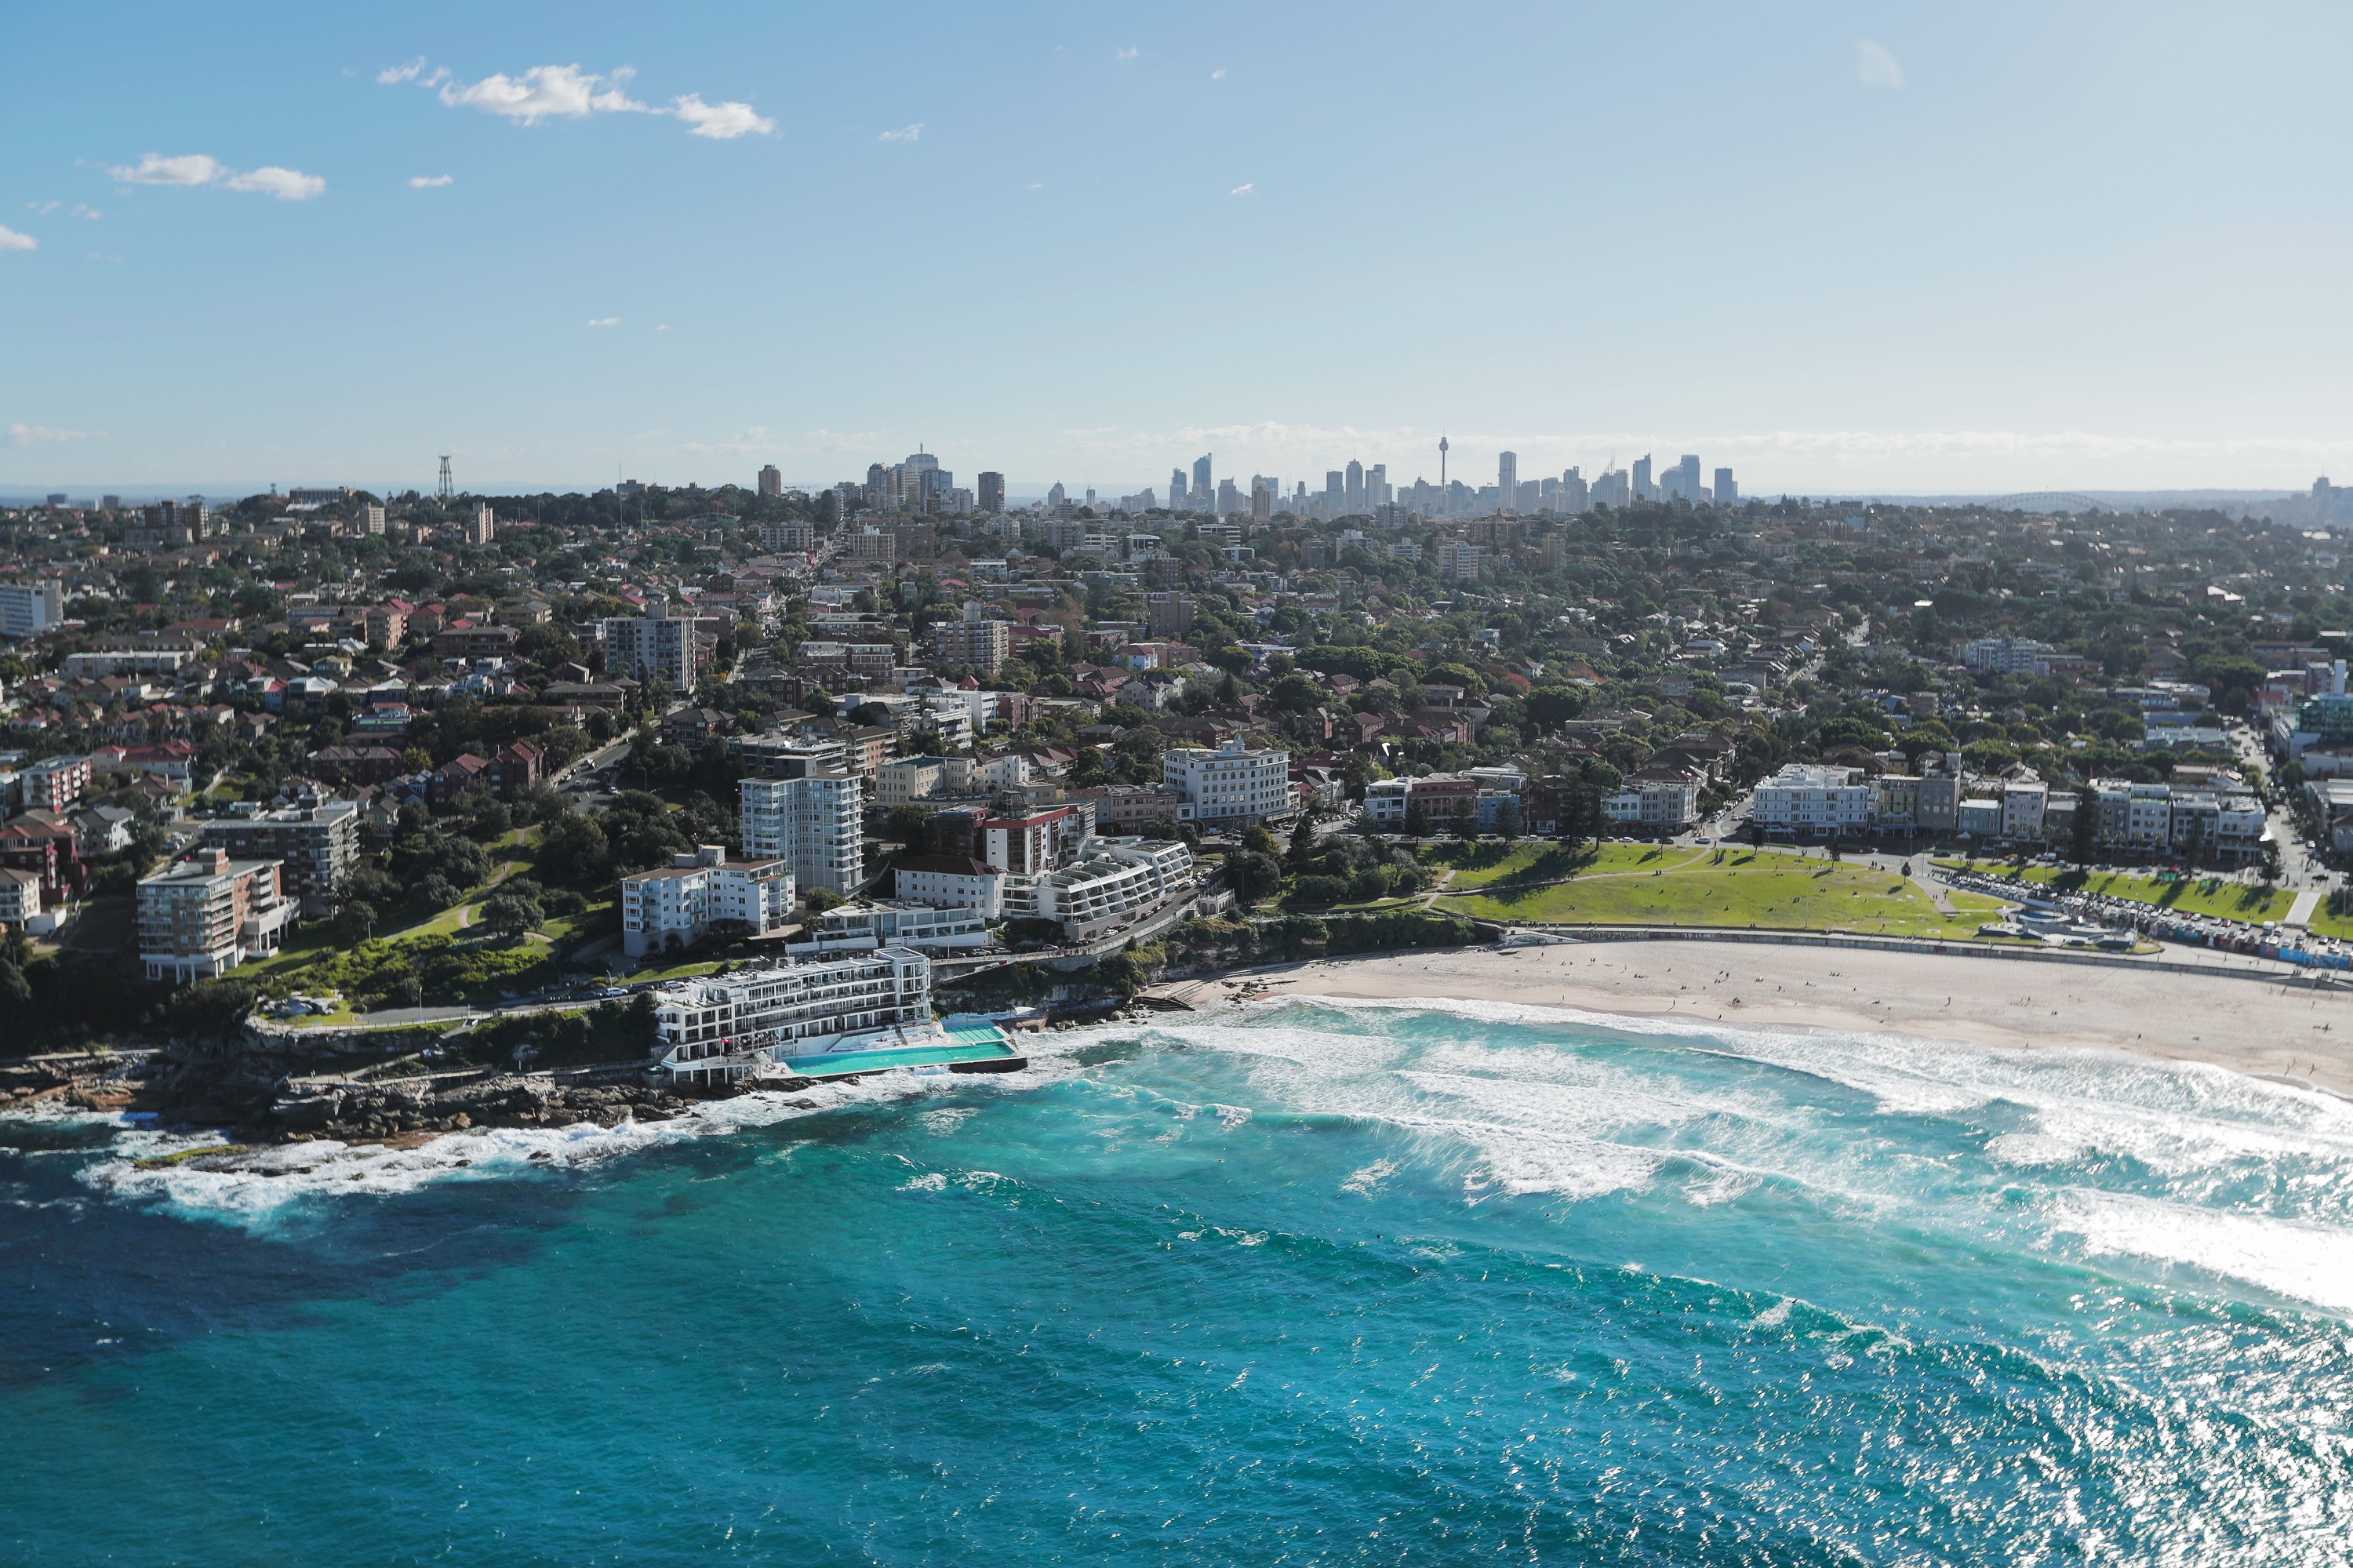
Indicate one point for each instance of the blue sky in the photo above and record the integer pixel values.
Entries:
(1836, 247)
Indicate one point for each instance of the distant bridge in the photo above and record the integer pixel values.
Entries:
(2046, 500)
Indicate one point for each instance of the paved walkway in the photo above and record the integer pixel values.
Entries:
(2305, 904)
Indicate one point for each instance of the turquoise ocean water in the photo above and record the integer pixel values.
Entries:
(1310, 1283)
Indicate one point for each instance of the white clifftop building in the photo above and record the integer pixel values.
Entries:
(718, 1028)
(1230, 784)
(685, 899)
(814, 821)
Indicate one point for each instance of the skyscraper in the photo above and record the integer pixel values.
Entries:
(1573, 497)
(1355, 482)
(1230, 500)
(1683, 481)
(1507, 478)
(1376, 486)
(771, 482)
(1202, 488)
(992, 492)
(1727, 492)
(1642, 491)
(1335, 491)
(1176, 489)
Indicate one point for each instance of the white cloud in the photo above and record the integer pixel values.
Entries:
(905, 134)
(720, 122)
(286, 184)
(154, 169)
(560, 92)
(42, 206)
(567, 92)
(1219, 74)
(91, 213)
(399, 73)
(12, 240)
(1128, 53)
(1248, 189)
(605, 320)
(431, 182)
(41, 436)
(192, 169)
(1875, 67)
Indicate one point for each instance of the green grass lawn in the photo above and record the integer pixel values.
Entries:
(1643, 885)
(2210, 895)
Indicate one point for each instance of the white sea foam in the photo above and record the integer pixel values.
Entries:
(2303, 1263)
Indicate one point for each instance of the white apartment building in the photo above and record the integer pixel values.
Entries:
(56, 783)
(906, 780)
(695, 891)
(205, 914)
(950, 882)
(20, 896)
(27, 609)
(1653, 803)
(1230, 784)
(1812, 799)
(656, 647)
(815, 823)
(1112, 883)
(165, 653)
(883, 923)
(717, 1028)
(2022, 808)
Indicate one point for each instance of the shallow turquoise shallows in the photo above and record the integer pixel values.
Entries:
(1306, 1284)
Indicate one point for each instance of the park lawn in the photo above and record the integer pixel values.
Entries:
(1541, 860)
(1744, 889)
(2323, 924)
(2211, 895)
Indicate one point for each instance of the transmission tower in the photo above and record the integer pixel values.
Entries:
(447, 492)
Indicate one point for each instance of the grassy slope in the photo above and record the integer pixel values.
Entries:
(1639, 885)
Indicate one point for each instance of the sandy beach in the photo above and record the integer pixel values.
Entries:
(2292, 1034)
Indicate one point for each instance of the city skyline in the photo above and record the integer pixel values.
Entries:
(558, 246)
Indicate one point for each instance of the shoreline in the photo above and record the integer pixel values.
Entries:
(2299, 1036)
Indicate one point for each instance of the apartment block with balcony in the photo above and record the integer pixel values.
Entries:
(717, 1028)
(683, 902)
(814, 820)
(317, 843)
(205, 914)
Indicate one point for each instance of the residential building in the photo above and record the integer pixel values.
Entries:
(206, 914)
(1811, 799)
(1040, 841)
(1231, 784)
(140, 654)
(20, 896)
(771, 482)
(813, 821)
(28, 610)
(1168, 616)
(881, 923)
(1459, 562)
(656, 647)
(1120, 806)
(1654, 804)
(990, 496)
(677, 905)
(42, 842)
(1112, 882)
(2006, 656)
(907, 779)
(2023, 805)
(481, 524)
(316, 844)
(950, 882)
(976, 642)
(717, 1028)
(56, 783)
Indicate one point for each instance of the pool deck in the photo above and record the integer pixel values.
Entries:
(961, 1044)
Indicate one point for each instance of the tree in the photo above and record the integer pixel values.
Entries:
(1258, 841)
(817, 900)
(1253, 876)
(1416, 819)
(355, 919)
(1302, 843)
(510, 915)
(906, 824)
(2084, 835)
(1296, 694)
(1756, 833)
(1507, 821)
